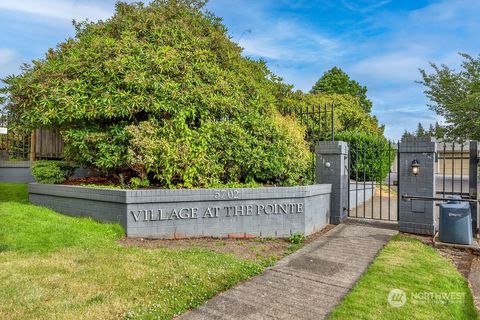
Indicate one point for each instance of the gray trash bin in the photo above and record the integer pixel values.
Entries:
(455, 222)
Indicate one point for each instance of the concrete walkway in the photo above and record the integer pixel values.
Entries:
(378, 207)
(305, 285)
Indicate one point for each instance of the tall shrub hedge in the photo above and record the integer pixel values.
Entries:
(160, 92)
(370, 155)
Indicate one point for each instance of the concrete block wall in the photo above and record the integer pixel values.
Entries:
(21, 172)
(332, 168)
(360, 193)
(105, 205)
(417, 216)
(241, 212)
(16, 171)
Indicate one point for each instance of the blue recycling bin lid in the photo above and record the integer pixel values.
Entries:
(454, 199)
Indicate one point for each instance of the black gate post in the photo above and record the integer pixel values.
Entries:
(473, 184)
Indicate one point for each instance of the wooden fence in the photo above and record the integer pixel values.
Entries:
(46, 144)
(36, 145)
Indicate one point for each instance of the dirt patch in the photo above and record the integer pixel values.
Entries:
(462, 259)
(468, 264)
(252, 249)
(257, 249)
(320, 233)
(474, 280)
(386, 191)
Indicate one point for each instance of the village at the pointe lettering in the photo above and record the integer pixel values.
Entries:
(215, 212)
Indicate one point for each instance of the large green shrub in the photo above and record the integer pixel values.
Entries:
(370, 155)
(50, 172)
(160, 92)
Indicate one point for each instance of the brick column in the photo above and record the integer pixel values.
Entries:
(417, 216)
(332, 168)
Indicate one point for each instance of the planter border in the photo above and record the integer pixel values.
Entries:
(309, 209)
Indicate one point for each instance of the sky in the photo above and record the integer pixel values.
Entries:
(381, 44)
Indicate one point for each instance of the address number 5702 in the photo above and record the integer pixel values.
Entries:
(227, 194)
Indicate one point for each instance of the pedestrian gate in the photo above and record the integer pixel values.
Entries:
(373, 182)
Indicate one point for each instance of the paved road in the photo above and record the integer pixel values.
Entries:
(379, 207)
(305, 285)
(459, 183)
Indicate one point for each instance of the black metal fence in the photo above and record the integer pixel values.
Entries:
(319, 122)
(453, 169)
(15, 144)
(457, 172)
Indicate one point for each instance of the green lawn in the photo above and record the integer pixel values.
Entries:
(58, 267)
(431, 283)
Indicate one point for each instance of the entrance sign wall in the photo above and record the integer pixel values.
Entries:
(239, 212)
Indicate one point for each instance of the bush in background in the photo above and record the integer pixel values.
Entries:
(370, 155)
(51, 172)
(348, 113)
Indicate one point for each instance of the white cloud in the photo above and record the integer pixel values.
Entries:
(364, 6)
(394, 66)
(8, 61)
(6, 55)
(449, 13)
(58, 9)
(289, 41)
(286, 39)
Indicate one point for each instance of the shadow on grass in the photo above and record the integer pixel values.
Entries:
(28, 228)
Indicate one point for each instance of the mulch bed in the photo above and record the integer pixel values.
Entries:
(101, 181)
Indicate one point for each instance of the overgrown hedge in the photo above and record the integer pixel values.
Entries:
(161, 94)
(370, 155)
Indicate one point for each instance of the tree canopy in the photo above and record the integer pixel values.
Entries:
(455, 95)
(160, 92)
(337, 81)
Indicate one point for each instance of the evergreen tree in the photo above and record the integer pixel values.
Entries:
(406, 135)
(420, 131)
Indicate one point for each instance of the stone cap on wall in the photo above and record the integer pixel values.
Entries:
(331, 147)
(418, 145)
(15, 164)
(178, 195)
